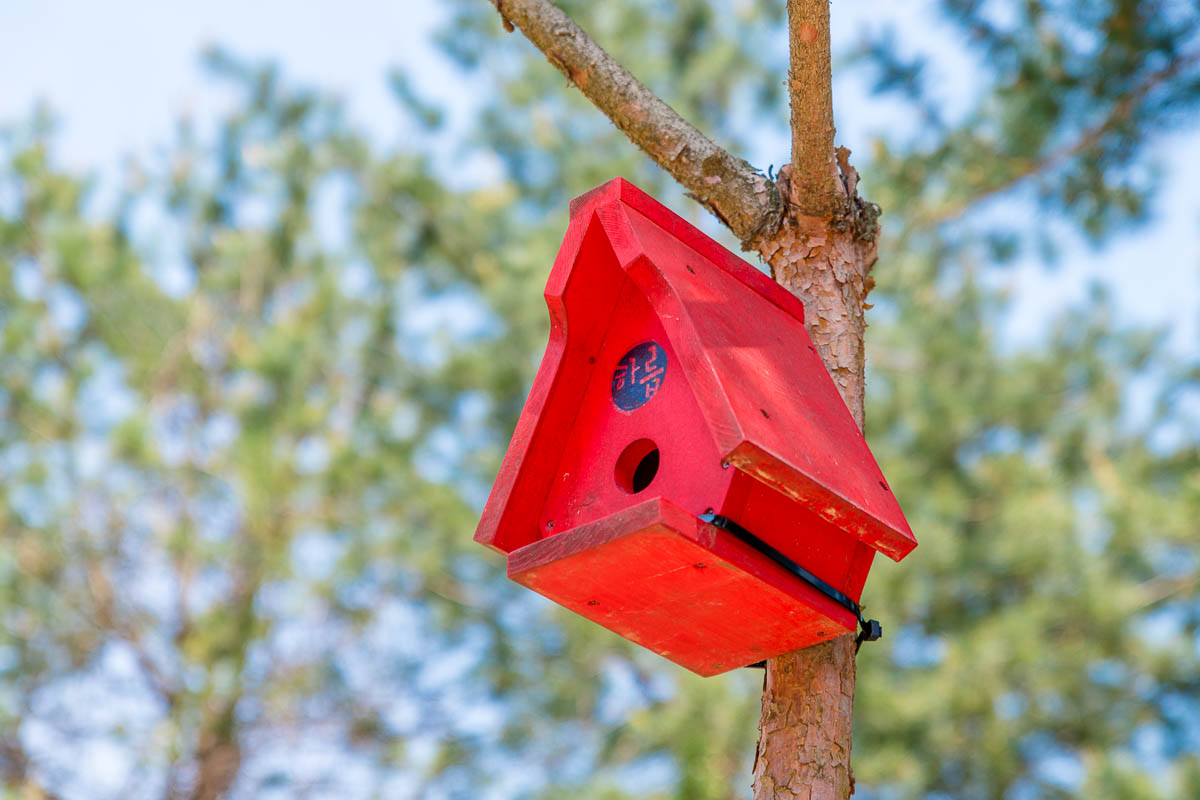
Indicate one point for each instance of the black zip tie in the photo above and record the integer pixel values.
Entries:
(870, 629)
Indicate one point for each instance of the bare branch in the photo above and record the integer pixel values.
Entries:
(738, 194)
(814, 173)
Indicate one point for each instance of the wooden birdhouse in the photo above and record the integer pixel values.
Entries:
(684, 471)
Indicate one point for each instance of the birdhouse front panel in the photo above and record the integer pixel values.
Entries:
(638, 428)
(685, 472)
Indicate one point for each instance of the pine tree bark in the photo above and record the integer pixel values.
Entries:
(808, 696)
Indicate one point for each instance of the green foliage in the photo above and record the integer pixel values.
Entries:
(250, 412)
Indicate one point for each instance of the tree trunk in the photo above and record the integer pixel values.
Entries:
(823, 254)
(818, 237)
(808, 696)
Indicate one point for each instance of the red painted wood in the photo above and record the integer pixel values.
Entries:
(690, 472)
(744, 420)
(690, 592)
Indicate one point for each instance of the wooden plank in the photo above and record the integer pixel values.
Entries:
(690, 592)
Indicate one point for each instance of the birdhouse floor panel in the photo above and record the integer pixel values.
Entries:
(691, 592)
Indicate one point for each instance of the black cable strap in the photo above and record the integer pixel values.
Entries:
(870, 629)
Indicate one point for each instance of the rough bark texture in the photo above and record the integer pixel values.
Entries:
(826, 262)
(738, 194)
(804, 733)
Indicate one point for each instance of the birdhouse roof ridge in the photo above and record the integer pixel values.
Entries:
(619, 190)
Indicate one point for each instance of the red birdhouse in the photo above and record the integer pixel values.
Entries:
(684, 471)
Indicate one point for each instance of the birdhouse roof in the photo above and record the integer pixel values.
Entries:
(770, 405)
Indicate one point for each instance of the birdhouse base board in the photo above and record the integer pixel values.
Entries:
(691, 592)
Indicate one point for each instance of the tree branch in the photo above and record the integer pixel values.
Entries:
(813, 176)
(738, 194)
(1088, 139)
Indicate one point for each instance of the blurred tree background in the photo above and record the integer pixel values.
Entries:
(250, 413)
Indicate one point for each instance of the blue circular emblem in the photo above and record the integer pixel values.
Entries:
(639, 375)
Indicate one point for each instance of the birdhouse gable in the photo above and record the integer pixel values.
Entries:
(613, 411)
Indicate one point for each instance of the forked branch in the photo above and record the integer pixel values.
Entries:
(738, 194)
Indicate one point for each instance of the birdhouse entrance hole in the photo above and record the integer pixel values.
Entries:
(637, 466)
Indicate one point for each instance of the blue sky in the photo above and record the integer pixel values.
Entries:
(119, 73)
